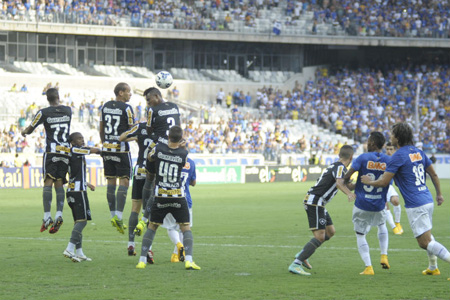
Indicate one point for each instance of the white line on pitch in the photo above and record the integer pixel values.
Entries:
(213, 245)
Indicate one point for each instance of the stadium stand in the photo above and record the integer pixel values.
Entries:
(302, 120)
(375, 18)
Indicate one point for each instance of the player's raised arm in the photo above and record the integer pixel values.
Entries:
(27, 131)
(437, 184)
(129, 135)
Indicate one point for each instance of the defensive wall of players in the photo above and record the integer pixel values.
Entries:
(210, 169)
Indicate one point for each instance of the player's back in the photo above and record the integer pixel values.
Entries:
(56, 120)
(372, 164)
(169, 164)
(409, 165)
(160, 118)
(117, 117)
(140, 132)
(325, 188)
(77, 169)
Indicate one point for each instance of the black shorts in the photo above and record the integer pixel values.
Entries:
(318, 217)
(176, 206)
(55, 166)
(79, 203)
(117, 165)
(138, 186)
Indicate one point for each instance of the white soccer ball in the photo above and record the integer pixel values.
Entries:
(163, 79)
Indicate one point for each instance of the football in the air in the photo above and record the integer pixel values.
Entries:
(163, 79)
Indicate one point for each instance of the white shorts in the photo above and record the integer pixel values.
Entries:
(363, 220)
(420, 218)
(170, 223)
(391, 193)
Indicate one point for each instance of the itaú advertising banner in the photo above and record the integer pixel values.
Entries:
(32, 177)
(225, 174)
(227, 159)
(283, 173)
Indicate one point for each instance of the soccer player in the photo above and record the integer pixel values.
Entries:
(161, 116)
(370, 203)
(77, 197)
(169, 161)
(173, 229)
(139, 134)
(318, 196)
(408, 166)
(393, 198)
(116, 117)
(56, 119)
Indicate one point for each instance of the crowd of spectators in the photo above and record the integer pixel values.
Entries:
(355, 102)
(403, 18)
(348, 102)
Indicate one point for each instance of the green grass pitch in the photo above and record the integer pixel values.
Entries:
(245, 237)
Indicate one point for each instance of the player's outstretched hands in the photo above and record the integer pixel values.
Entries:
(351, 197)
(366, 179)
(439, 199)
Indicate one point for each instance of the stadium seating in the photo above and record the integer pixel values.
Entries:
(365, 19)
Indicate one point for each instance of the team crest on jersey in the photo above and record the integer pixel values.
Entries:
(187, 166)
(415, 156)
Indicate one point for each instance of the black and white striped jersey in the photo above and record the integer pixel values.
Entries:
(117, 117)
(159, 120)
(168, 165)
(56, 120)
(77, 169)
(145, 143)
(325, 188)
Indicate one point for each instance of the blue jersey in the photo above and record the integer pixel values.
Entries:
(188, 174)
(368, 197)
(409, 165)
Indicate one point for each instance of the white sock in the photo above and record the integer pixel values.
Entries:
(383, 237)
(58, 214)
(397, 213)
(113, 213)
(439, 250)
(119, 214)
(363, 249)
(389, 219)
(188, 258)
(144, 219)
(180, 235)
(80, 252)
(173, 236)
(143, 259)
(47, 215)
(70, 247)
(131, 244)
(432, 261)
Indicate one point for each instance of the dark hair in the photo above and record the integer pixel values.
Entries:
(120, 87)
(152, 91)
(403, 133)
(378, 139)
(388, 144)
(346, 152)
(175, 134)
(73, 135)
(52, 95)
